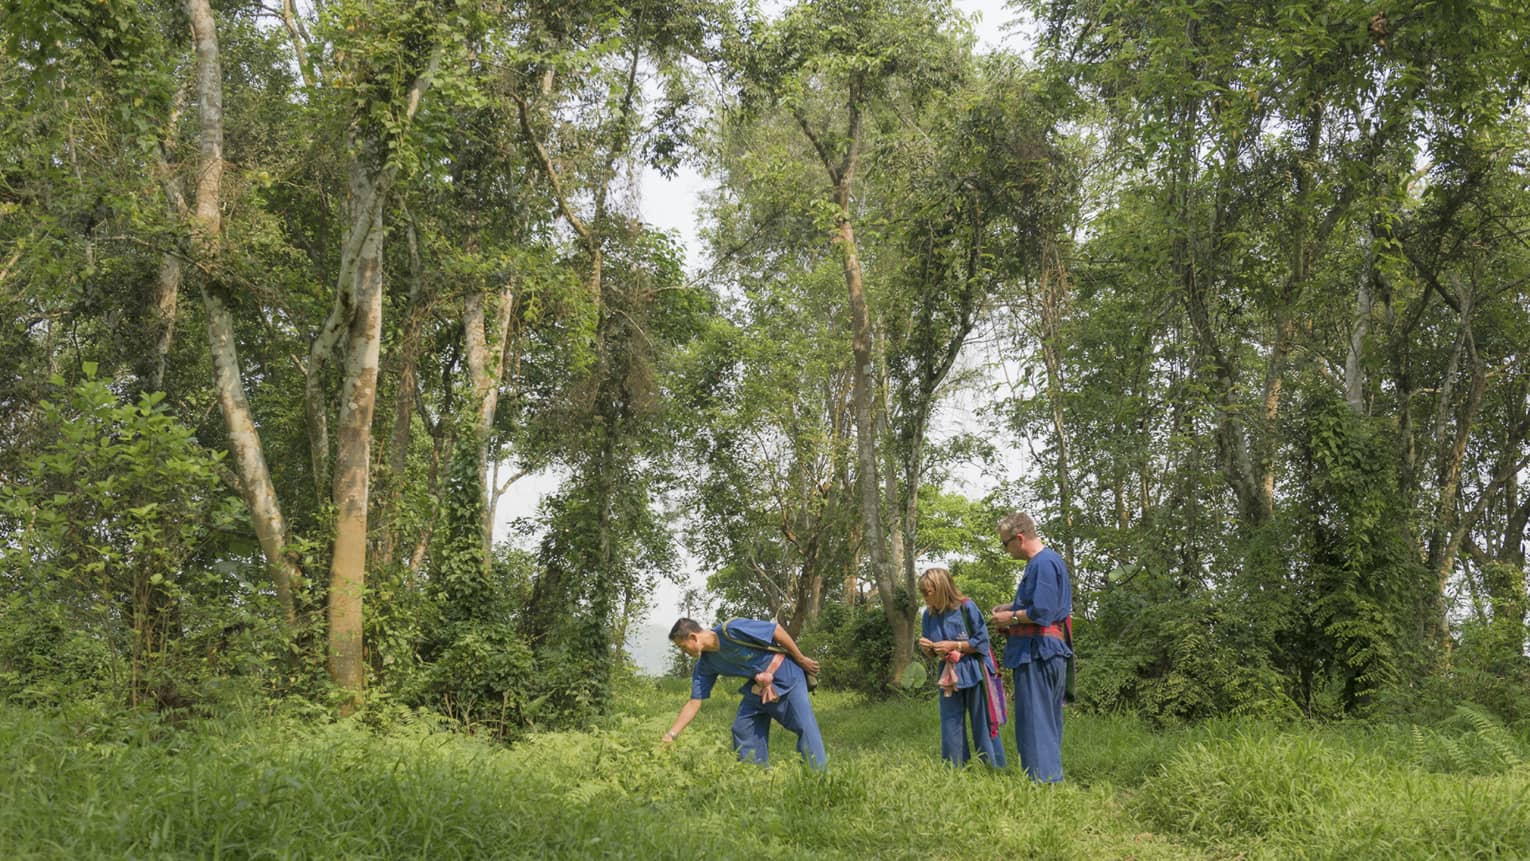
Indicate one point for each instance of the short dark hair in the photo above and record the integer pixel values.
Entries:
(684, 628)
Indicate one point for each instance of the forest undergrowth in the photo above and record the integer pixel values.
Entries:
(258, 784)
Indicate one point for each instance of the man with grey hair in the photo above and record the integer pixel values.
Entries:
(1039, 628)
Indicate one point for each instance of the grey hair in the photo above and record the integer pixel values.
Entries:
(1017, 523)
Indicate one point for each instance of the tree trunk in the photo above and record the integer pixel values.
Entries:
(403, 405)
(298, 35)
(1354, 372)
(347, 575)
(315, 410)
(443, 442)
(167, 285)
(900, 544)
(358, 313)
(244, 440)
(1445, 536)
(1265, 440)
(1233, 456)
(809, 598)
(162, 314)
(908, 525)
(486, 363)
(863, 382)
(863, 394)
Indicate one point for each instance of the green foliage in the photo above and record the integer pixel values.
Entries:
(853, 644)
(1304, 795)
(113, 580)
(606, 541)
(1258, 270)
(1173, 658)
(962, 532)
(45, 657)
(1473, 742)
(1207, 677)
(1363, 583)
(470, 661)
(1486, 670)
(484, 676)
(94, 786)
(1267, 390)
(459, 567)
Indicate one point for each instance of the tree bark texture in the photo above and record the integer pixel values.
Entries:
(841, 173)
(358, 397)
(486, 346)
(244, 440)
(167, 284)
(1354, 370)
(863, 395)
(357, 312)
(403, 405)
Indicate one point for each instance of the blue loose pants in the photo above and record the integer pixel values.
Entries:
(1039, 688)
(794, 710)
(968, 705)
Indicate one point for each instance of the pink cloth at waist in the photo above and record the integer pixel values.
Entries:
(763, 681)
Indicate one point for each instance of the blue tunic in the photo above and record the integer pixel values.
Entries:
(733, 659)
(969, 706)
(964, 624)
(751, 726)
(1041, 667)
(1046, 596)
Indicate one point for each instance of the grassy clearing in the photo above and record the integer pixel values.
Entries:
(251, 787)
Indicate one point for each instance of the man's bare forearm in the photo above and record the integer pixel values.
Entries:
(687, 712)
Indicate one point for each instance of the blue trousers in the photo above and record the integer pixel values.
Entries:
(1038, 717)
(968, 705)
(794, 710)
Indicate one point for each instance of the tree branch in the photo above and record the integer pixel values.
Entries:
(551, 172)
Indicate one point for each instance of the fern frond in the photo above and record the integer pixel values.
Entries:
(1456, 758)
(1490, 731)
(1418, 749)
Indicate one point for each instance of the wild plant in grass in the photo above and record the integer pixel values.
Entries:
(1247, 786)
(1475, 742)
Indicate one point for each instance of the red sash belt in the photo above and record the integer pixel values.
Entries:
(763, 687)
(1061, 631)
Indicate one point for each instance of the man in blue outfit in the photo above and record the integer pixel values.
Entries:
(1038, 625)
(775, 687)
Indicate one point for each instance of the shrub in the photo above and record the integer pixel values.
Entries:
(854, 645)
(120, 571)
(484, 678)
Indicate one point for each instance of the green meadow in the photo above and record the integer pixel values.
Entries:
(259, 784)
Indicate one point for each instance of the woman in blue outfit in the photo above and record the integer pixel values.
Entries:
(953, 630)
(1038, 625)
(775, 687)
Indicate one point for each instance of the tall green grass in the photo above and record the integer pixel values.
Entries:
(1304, 795)
(254, 786)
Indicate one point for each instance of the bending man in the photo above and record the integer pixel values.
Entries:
(775, 686)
